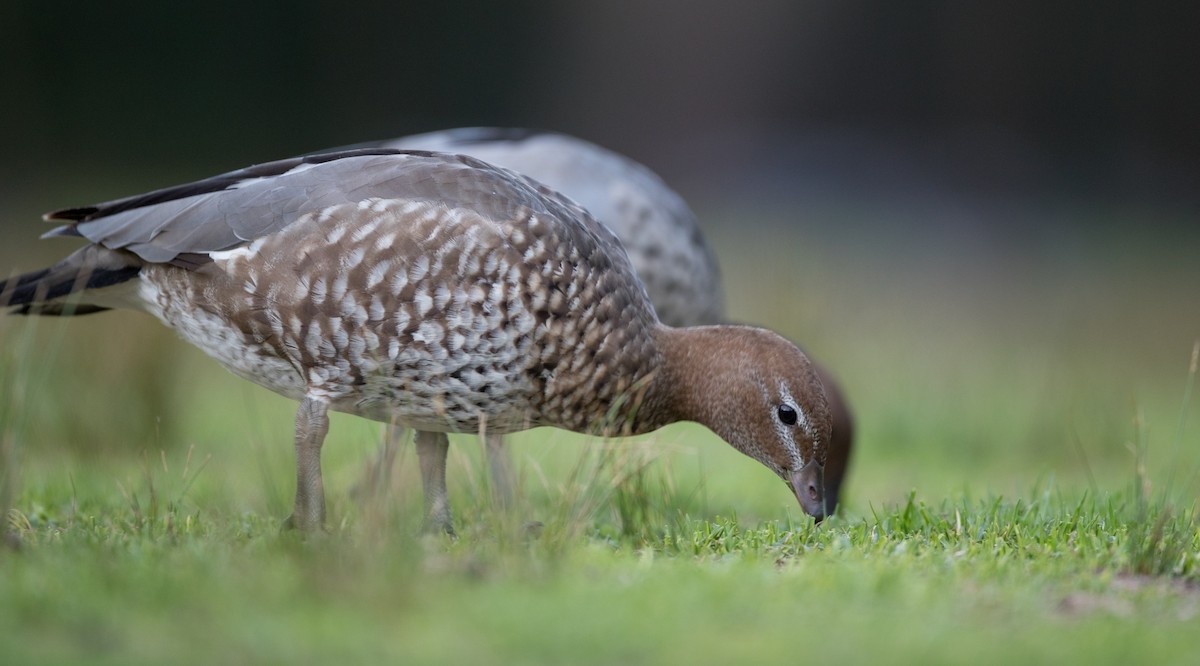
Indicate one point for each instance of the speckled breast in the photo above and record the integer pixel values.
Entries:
(433, 316)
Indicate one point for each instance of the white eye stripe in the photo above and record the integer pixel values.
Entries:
(801, 421)
(784, 433)
(801, 417)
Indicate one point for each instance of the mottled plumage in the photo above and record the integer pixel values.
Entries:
(433, 290)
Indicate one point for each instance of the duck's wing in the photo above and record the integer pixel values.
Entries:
(182, 224)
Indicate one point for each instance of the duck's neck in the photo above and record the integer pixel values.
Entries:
(676, 388)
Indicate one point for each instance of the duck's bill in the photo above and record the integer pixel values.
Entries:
(808, 482)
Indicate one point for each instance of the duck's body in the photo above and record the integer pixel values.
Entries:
(430, 316)
(657, 228)
(433, 290)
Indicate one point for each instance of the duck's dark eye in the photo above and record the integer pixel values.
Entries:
(787, 414)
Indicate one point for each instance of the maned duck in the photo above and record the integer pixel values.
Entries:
(657, 228)
(436, 291)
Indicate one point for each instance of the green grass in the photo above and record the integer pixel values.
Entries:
(986, 581)
(1024, 490)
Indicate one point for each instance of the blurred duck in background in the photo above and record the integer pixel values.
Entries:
(657, 228)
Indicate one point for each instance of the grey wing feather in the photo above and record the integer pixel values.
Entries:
(225, 211)
(212, 184)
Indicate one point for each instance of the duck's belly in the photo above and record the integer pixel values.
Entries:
(471, 383)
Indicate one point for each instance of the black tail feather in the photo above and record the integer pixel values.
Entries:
(91, 267)
(25, 279)
(58, 309)
(41, 286)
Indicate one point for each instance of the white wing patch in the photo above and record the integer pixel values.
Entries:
(245, 252)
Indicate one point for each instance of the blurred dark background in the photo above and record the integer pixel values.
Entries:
(1014, 100)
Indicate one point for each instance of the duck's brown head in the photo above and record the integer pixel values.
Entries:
(759, 393)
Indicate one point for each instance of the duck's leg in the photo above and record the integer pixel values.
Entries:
(312, 424)
(432, 448)
(377, 474)
(385, 464)
(501, 470)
